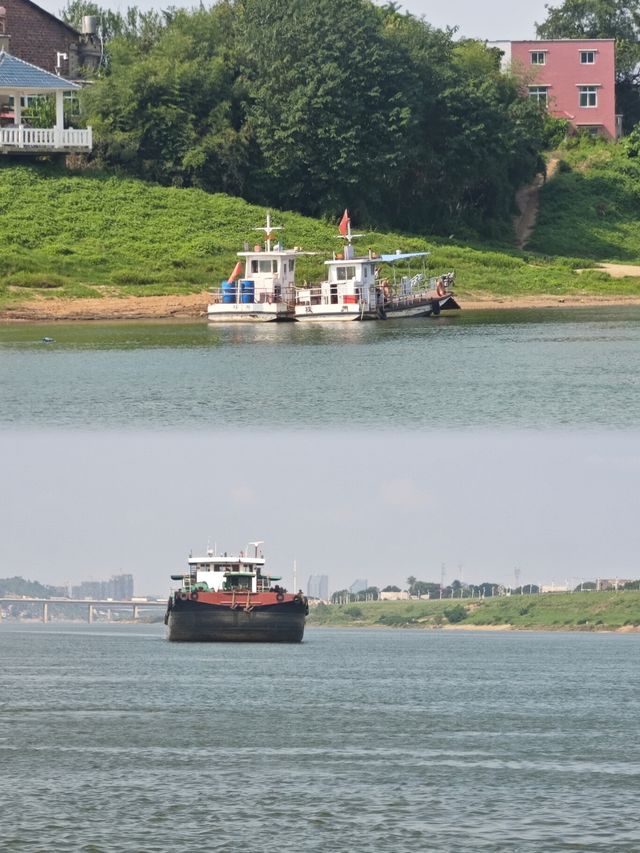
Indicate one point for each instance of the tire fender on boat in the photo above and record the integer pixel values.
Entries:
(194, 595)
(279, 596)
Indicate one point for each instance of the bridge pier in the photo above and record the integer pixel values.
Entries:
(45, 612)
(90, 614)
(136, 612)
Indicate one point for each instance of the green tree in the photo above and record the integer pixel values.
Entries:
(327, 104)
(171, 113)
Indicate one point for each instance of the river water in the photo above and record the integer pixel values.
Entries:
(114, 740)
(521, 369)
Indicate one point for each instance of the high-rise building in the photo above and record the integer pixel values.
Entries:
(121, 587)
(359, 586)
(318, 587)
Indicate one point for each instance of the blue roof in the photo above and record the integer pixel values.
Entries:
(402, 256)
(17, 74)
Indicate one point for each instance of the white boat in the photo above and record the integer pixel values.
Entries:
(266, 292)
(355, 290)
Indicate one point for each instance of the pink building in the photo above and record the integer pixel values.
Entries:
(575, 78)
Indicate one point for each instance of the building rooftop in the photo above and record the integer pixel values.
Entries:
(16, 74)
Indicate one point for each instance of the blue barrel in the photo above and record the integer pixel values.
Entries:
(228, 291)
(247, 291)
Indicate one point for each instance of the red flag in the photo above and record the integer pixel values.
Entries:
(344, 223)
(236, 272)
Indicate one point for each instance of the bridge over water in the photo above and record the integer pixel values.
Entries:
(91, 606)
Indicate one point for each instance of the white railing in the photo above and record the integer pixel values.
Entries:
(25, 138)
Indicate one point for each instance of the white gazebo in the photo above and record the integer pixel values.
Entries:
(19, 79)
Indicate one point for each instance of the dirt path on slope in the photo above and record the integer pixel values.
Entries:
(527, 199)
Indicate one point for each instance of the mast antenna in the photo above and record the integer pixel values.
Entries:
(268, 231)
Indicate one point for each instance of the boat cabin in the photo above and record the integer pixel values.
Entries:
(269, 274)
(222, 573)
(350, 280)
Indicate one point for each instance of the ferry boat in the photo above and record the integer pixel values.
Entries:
(225, 598)
(355, 290)
(266, 291)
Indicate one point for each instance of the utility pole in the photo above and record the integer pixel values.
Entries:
(516, 575)
(295, 577)
(442, 577)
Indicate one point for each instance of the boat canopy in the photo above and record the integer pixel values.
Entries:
(401, 256)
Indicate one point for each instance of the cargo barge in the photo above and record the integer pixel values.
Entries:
(224, 598)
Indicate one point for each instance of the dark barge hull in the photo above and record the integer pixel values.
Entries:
(199, 622)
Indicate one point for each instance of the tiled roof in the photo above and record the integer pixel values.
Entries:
(17, 74)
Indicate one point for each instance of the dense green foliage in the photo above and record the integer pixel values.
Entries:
(269, 100)
(595, 19)
(586, 611)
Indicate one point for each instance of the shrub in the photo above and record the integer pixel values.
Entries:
(353, 612)
(46, 281)
(456, 613)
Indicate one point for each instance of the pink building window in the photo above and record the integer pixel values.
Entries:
(539, 94)
(538, 57)
(587, 57)
(588, 96)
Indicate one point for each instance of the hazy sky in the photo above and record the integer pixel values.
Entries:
(493, 19)
(380, 506)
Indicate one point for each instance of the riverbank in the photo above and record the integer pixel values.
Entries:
(617, 611)
(193, 306)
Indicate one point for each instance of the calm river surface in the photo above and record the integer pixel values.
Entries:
(114, 740)
(521, 369)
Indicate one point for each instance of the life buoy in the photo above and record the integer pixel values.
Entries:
(279, 596)
(440, 289)
(183, 596)
(194, 595)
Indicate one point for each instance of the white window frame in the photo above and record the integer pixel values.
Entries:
(587, 93)
(540, 94)
(591, 53)
(538, 57)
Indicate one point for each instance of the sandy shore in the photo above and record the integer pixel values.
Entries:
(193, 306)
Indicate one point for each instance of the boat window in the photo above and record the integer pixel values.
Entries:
(292, 265)
(267, 266)
(254, 266)
(345, 273)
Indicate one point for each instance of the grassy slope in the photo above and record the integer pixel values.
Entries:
(590, 209)
(570, 611)
(78, 234)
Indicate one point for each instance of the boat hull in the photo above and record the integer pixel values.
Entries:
(400, 309)
(257, 312)
(200, 622)
(426, 308)
(333, 313)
